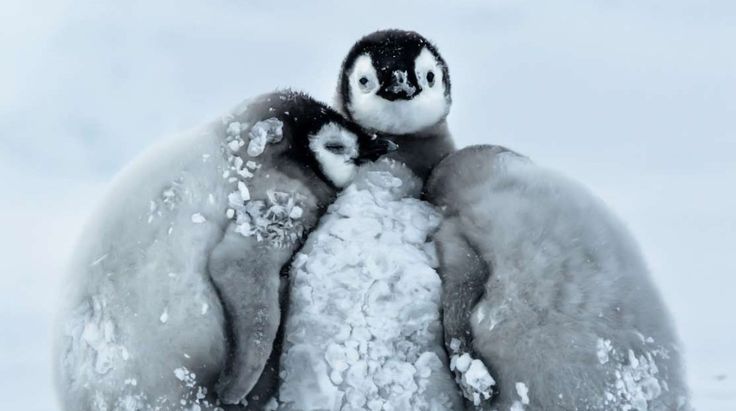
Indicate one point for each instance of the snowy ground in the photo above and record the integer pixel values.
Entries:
(636, 98)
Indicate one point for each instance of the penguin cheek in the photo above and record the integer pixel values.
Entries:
(339, 169)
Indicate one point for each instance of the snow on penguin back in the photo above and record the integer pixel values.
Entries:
(363, 327)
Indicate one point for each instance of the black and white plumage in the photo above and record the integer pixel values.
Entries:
(549, 289)
(175, 283)
(396, 83)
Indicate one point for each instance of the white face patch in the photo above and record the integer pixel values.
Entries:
(335, 150)
(364, 80)
(400, 116)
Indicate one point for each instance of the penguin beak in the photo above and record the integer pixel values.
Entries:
(401, 86)
(373, 148)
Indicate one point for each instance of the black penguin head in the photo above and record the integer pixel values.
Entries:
(396, 82)
(320, 138)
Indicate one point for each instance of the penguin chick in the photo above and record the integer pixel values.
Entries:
(144, 324)
(549, 289)
(395, 82)
(305, 152)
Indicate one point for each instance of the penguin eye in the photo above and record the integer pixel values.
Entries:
(430, 78)
(366, 83)
(336, 148)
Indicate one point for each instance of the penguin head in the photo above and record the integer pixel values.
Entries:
(395, 82)
(320, 138)
(338, 149)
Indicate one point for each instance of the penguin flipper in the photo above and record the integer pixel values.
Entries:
(246, 273)
(464, 275)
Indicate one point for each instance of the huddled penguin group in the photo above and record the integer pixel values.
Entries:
(182, 282)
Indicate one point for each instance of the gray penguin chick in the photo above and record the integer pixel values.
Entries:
(547, 288)
(396, 83)
(175, 279)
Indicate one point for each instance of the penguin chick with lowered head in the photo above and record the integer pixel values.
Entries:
(145, 323)
(317, 154)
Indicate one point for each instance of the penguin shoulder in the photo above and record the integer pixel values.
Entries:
(458, 180)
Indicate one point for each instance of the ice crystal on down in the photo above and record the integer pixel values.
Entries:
(363, 329)
(97, 338)
(233, 140)
(264, 132)
(196, 394)
(168, 199)
(635, 381)
(97, 330)
(523, 391)
(475, 382)
(243, 191)
(603, 347)
(276, 220)
(237, 165)
(517, 406)
(164, 316)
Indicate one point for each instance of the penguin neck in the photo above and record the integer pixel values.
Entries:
(421, 151)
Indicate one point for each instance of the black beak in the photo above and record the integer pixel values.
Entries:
(401, 85)
(373, 148)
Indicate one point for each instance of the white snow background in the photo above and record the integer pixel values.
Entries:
(635, 98)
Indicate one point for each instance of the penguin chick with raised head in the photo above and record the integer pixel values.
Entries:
(316, 152)
(548, 288)
(395, 82)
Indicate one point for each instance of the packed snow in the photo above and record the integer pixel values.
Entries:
(523, 392)
(471, 374)
(277, 219)
(363, 329)
(264, 132)
(636, 381)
